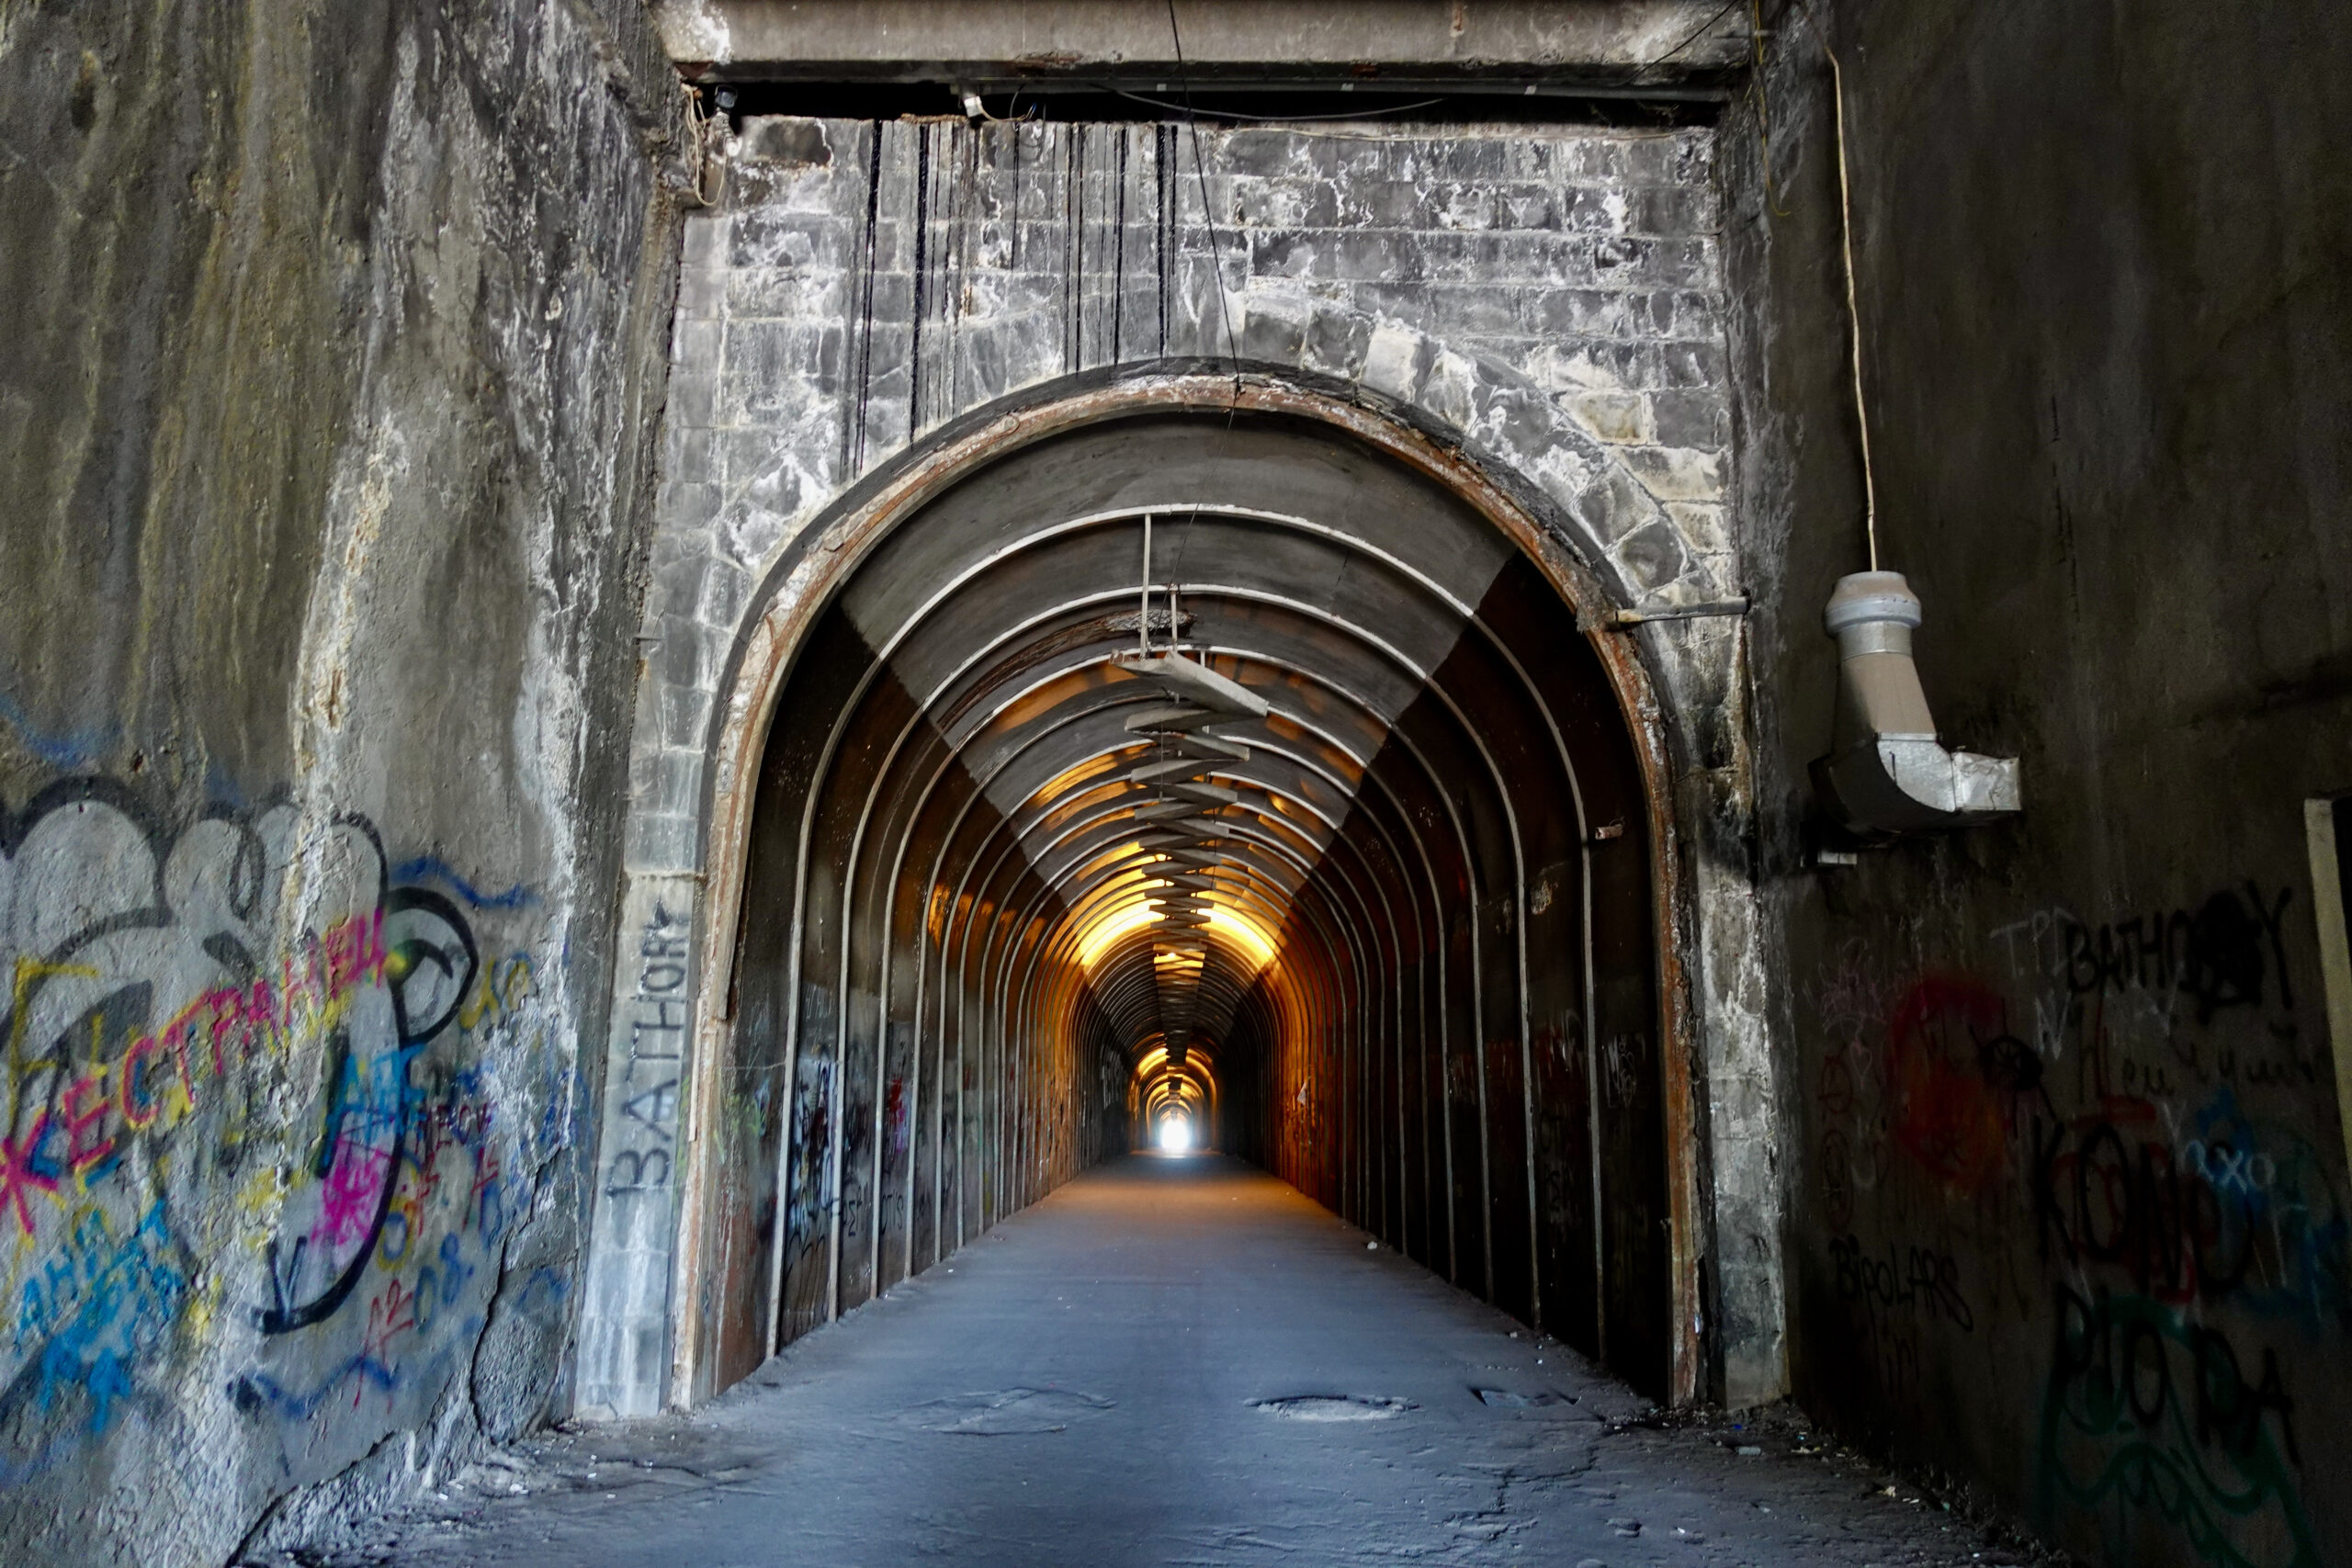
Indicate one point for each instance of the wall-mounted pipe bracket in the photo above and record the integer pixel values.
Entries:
(1887, 772)
(1626, 620)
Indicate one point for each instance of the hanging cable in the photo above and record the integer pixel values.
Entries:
(1853, 305)
(700, 136)
(1208, 212)
(1274, 119)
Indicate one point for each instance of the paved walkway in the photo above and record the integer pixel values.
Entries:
(1174, 1361)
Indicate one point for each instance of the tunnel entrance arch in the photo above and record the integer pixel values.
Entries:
(1433, 963)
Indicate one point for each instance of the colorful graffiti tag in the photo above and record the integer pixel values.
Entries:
(2102, 1133)
(2150, 1415)
(250, 1076)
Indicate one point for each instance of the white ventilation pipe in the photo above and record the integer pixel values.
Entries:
(1887, 772)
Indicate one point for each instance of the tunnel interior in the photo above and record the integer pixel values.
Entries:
(1212, 780)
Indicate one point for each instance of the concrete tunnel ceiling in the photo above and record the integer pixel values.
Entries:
(1353, 856)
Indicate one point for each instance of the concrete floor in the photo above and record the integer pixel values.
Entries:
(1175, 1361)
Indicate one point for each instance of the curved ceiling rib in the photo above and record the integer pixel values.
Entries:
(1297, 832)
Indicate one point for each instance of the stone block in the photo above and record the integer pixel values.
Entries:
(1377, 257)
(1336, 343)
(672, 658)
(692, 398)
(1365, 202)
(685, 717)
(1459, 208)
(702, 241)
(1592, 365)
(1274, 204)
(1470, 309)
(786, 141)
(765, 237)
(749, 534)
(1534, 159)
(743, 453)
(1695, 314)
(1615, 504)
(1677, 473)
(665, 782)
(1446, 391)
(1274, 327)
(1470, 157)
(1262, 153)
(702, 295)
(1651, 160)
(1574, 313)
(1594, 209)
(788, 294)
(1527, 207)
(1693, 417)
(1614, 417)
(662, 843)
(1395, 360)
(683, 506)
(686, 456)
(677, 587)
(1290, 253)
(776, 488)
(697, 340)
(1692, 364)
(1672, 211)
(768, 361)
(1687, 262)
(1651, 557)
(1703, 525)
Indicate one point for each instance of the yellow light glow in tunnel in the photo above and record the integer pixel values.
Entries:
(1108, 926)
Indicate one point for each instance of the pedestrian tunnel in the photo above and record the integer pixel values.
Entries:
(1214, 777)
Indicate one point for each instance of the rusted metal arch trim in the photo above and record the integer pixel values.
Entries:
(789, 600)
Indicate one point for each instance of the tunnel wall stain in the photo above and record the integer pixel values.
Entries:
(327, 372)
(2071, 1191)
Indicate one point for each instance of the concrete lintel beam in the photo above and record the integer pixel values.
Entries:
(984, 42)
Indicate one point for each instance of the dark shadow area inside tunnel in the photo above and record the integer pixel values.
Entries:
(1203, 780)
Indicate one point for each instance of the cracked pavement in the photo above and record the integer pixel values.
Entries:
(1175, 1361)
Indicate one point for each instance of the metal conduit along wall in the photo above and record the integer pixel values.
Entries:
(1408, 964)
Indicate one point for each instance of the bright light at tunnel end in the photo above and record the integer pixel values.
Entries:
(1175, 1137)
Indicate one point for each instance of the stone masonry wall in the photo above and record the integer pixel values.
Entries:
(1549, 297)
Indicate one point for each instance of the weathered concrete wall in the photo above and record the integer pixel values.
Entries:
(329, 360)
(2071, 1206)
(1615, 42)
(1548, 299)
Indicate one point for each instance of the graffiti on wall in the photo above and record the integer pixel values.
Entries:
(655, 1013)
(2099, 1135)
(2147, 1414)
(252, 1077)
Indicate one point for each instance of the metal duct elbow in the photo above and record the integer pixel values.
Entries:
(1887, 772)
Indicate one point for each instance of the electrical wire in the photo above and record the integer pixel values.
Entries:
(1270, 119)
(1853, 305)
(1208, 212)
(700, 133)
(1763, 107)
(1635, 72)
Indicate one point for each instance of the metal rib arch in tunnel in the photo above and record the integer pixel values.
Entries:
(1325, 837)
